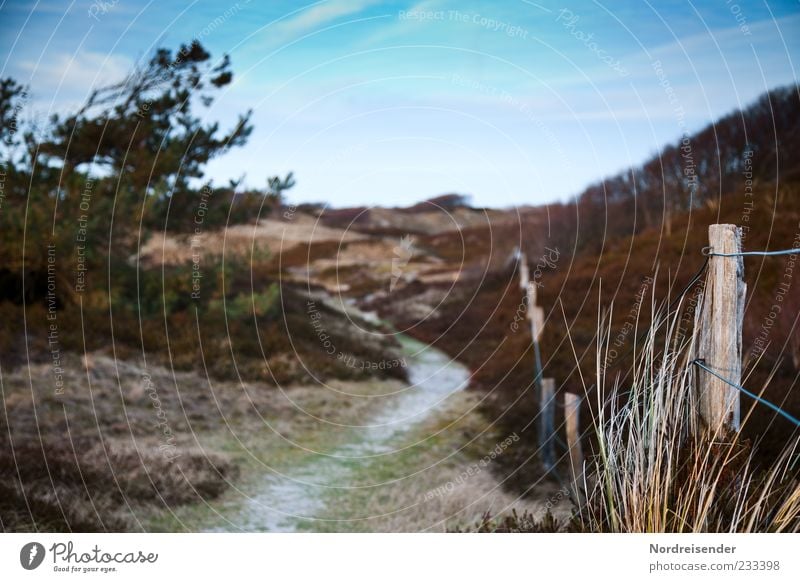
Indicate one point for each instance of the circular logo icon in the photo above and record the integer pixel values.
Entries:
(31, 555)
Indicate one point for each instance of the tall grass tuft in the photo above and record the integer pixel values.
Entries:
(652, 472)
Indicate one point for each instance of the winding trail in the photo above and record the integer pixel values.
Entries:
(284, 503)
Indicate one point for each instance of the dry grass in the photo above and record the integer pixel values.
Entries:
(269, 236)
(95, 484)
(94, 457)
(477, 315)
(429, 220)
(439, 484)
(653, 473)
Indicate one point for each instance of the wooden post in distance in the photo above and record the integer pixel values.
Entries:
(572, 406)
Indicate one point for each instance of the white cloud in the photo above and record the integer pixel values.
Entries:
(315, 17)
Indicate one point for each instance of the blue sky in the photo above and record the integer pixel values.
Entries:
(387, 103)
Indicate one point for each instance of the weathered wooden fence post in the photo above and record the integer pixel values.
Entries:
(572, 407)
(719, 332)
(536, 317)
(545, 386)
(547, 413)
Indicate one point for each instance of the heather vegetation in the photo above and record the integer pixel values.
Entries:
(82, 195)
(166, 337)
(621, 270)
(86, 192)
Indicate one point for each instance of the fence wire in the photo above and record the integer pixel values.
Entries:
(700, 363)
(709, 252)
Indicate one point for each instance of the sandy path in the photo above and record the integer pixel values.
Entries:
(286, 502)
